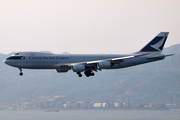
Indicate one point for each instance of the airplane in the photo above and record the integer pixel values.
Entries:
(88, 63)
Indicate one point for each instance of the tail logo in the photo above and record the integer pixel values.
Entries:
(158, 45)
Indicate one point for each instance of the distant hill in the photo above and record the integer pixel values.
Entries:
(152, 82)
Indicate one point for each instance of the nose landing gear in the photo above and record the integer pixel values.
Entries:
(21, 73)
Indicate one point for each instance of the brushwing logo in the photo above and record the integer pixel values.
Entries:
(158, 45)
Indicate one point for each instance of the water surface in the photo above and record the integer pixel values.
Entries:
(91, 115)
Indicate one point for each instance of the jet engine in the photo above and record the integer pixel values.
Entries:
(78, 68)
(104, 65)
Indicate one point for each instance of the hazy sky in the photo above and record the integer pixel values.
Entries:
(86, 26)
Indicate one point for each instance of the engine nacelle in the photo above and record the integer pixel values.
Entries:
(78, 68)
(104, 65)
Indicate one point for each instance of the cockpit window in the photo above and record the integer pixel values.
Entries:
(16, 58)
(23, 58)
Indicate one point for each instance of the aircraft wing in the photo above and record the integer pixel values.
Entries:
(93, 64)
(115, 60)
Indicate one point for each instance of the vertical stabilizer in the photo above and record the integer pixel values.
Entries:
(156, 45)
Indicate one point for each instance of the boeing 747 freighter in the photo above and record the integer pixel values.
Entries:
(88, 63)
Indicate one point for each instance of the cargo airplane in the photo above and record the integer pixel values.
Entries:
(88, 63)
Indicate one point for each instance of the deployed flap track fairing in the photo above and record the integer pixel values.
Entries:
(88, 63)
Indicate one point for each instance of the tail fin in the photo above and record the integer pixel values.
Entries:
(156, 45)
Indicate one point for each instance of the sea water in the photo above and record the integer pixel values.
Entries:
(91, 115)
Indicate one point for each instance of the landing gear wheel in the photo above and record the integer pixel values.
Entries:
(20, 73)
(79, 74)
(89, 73)
(92, 74)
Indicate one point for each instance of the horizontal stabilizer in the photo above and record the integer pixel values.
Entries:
(159, 56)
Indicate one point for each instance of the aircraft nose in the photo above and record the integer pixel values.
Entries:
(5, 61)
(8, 62)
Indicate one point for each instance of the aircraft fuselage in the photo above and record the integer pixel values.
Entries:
(50, 61)
(88, 63)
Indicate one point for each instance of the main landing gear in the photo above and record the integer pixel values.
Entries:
(87, 73)
(79, 74)
(21, 73)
